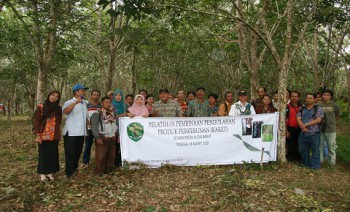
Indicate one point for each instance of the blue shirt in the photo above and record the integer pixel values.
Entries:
(307, 115)
(76, 119)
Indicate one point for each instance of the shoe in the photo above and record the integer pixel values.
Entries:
(42, 177)
(50, 176)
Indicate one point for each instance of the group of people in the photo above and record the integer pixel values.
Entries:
(96, 121)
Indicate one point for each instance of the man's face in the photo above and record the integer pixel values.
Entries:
(261, 92)
(242, 98)
(326, 97)
(200, 93)
(275, 97)
(294, 97)
(95, 96)
(190, 97)
(180, 95)
(309, 99)
(318, 98)
(143, 93)
(81, 92)
(129, 100)
(164, 96)
(106, 104)
(229, 97)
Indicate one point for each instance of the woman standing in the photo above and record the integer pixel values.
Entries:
(213, 101)
(139, 108)
(266, 107)
(48, 117)
(150, 101)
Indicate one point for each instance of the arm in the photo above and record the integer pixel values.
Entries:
(95, 121)
(37, 124)
(252, 110)
(69, 108)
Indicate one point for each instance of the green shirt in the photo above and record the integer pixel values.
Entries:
(331, 112)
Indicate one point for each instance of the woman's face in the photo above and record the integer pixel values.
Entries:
(139, 101)
(118, 97)
(266, 100)
(212, 100)
(150, 100)
(54, 97)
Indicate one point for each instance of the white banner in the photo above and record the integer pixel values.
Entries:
(199, 141)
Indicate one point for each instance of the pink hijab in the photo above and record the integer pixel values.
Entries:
(137, 109)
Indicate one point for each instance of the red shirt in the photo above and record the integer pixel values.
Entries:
(292, 118)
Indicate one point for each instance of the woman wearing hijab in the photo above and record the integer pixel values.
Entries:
(139, 108)
(120, 108)
(47, 120)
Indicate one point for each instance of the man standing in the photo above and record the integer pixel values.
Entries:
(261, 93)
(166, 107)
(199, 107)
(309, 117)
(129, 100)
(293, 129)
(242, 107)
(275, 100)
(331, 114)
(104, 128)
(93, 106)
(181, 100)
(225, 107)
(74, 130)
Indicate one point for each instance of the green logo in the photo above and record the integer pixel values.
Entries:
(135, 131)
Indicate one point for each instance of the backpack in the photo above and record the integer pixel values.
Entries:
(321, 125)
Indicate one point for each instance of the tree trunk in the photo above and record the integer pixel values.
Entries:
(349, 92)
(44, 55)
(133, 69)
(112, 54)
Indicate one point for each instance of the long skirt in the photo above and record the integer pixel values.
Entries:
(48, 157)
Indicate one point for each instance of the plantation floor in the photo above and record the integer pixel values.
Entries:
(209, 188)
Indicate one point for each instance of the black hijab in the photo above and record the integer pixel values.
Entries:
(50, 109)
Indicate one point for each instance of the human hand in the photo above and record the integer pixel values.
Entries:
(99, 141)
(287, 134)
(38, 139)
(131, 115)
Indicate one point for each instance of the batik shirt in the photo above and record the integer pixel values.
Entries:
(171, 108)
(197, 108)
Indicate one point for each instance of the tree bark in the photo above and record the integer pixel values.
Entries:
(44, 55)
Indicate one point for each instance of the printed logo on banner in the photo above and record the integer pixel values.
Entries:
(135, 131)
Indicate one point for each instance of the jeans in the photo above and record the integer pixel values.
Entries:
(330, 140)
(307, 143)
(89, 140)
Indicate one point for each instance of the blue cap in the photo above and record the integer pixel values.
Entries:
(79, 86)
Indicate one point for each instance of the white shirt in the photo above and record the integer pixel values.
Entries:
(76, 119)
(239, 108)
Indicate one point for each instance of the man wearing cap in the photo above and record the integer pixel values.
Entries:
(75, 128)
(166, 107)
(242, 107)
(199, 107)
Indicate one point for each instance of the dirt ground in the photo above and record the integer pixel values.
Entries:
(202, 188)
